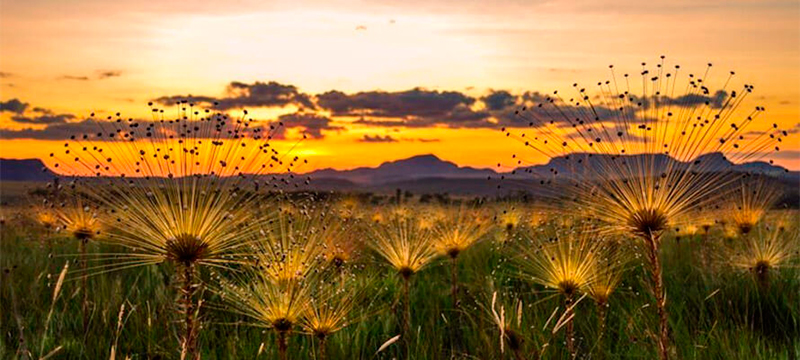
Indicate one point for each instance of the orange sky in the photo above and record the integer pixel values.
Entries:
(82, 56)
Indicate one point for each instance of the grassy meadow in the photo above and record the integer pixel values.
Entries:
(716, 309)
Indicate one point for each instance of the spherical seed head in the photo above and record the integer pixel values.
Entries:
(83, 233)
(338, 260)
(762, 267)
(282, 324)
(568, 287)
(648, 221)
(405, 271)
(745, 227)
(186, 248)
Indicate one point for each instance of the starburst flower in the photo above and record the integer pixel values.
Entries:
(269, 304)
(765, 251)
(751, 203)
(46, 217)
(562, 259)
(455, 233)
(565, 260)
(80, 220)
(509, 218)
(291, 248)
(335, 306)
(178, 190)
(458, 230)
(407, 249)
(639, 154)
(277, 288)
(403, 245)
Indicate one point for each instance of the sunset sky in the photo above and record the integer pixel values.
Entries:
(62, 60)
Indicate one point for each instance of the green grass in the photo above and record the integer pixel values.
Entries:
(714, 314)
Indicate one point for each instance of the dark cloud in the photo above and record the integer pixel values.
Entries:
(411, 103)
(73, 77)
(715, 101)
(419, 108)
(5, 74)
(60, 131)
(13, 105)
(312, 124)
(381, 123)
(42, 110)
(94, 129)
(390, 139)
(415, 108)
(378, 139)
(412, 108)
(499, 100)
(242, 95)
(47, 119)
(109, 74)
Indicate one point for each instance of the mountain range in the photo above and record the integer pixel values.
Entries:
(429, 174)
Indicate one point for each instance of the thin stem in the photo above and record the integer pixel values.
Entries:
(456, 318)
(407, 314)
(601, 329)
(569, 328)
(84, 288)
(762, 276)
(454, 279)
(189, 345)
(660, 294)
(283, 344)
(322, 351)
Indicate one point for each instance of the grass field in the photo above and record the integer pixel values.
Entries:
(714, 311)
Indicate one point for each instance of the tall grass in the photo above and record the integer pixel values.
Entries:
(713, 312)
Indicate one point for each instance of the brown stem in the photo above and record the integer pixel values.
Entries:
(569, 328)
(407, 314)
(454, 279)
(189, 343)
(762, 276)
(322, 351)
(84, 289)
(660, 294)
(456, 318)
(601, 329)
(283, 344)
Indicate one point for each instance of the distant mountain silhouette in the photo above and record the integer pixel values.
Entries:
(24, 170)
(413, 168)
(429, 174)
(588, 164)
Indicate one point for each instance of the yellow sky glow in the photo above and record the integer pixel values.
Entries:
(174, 48)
